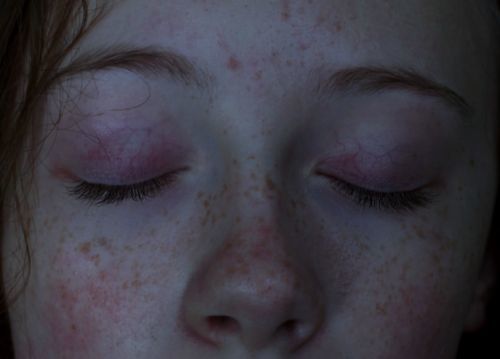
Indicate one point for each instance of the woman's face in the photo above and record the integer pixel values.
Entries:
(250, 123)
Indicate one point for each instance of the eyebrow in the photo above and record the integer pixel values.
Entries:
(158, 61)
(373, 79)
(148, 60)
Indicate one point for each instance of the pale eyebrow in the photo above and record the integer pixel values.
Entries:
(374, 79)
(158, 61)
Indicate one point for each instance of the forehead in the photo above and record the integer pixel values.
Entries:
(287, 38)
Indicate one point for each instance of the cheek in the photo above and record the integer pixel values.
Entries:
(419, 313)
(414, 318)
(85, 301)
(78, 310)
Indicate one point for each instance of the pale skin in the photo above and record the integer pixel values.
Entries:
(251, 252)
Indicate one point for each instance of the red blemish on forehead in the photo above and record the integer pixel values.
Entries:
(233, 63)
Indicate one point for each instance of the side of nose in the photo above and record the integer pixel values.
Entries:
(253, 294)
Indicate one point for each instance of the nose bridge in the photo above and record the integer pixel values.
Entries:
(258, 257)
(255, 192)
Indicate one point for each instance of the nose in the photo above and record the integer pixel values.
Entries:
(250, 293)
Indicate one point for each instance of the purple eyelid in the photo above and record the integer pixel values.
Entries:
(369, 172)
(111, 162)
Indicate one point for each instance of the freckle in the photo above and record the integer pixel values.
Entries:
(257, 75)
(206, 204)
(152, 232)
(320, 20)
(381, 309)
(103, 242)
(96, 259)
(285, 10)
(275, 58)
(103, 275)
(85, 248)
(338, 26)
(289, 62)
(270, 184)
(233, 64)
(419, 232)
(135, 283)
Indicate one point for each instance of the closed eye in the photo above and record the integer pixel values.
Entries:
(399, 202)
(99, 194)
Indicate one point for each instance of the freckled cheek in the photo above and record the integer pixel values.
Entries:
(417, 320)
(81, 306)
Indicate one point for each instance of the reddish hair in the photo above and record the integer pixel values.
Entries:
(36, 36)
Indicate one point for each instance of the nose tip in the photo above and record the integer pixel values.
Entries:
(266, 302)
(254, 322)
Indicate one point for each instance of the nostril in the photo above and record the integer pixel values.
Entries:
(295, 331)
(289, 327)
(222, 323)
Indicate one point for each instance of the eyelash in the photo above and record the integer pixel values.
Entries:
(100, 194)
(398, 202)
